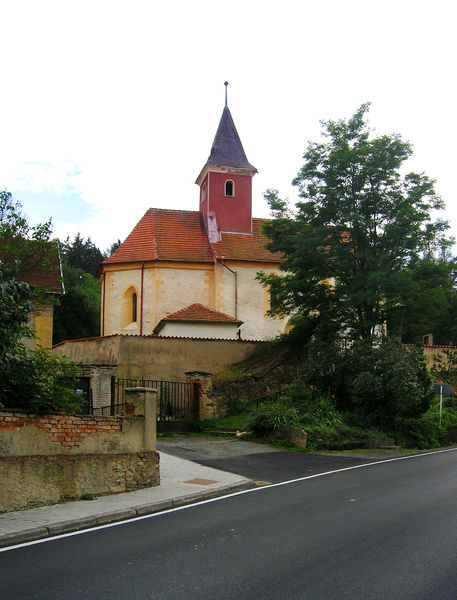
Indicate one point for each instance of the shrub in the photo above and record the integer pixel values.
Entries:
(378, 384)
(392, 383)
(272, 417)
(37, 381)
(314, 409)
(426, 431)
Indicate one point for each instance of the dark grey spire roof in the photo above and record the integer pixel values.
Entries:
(227, 149)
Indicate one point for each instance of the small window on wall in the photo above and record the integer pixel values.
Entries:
(229, 188)
(129, 308)
(134, 305)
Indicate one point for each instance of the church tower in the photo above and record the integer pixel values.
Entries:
(226, 183)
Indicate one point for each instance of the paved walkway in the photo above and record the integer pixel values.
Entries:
(182, 481)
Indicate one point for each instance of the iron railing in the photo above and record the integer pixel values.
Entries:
(271, 397)
(177, 400)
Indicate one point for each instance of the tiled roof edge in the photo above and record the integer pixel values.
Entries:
(168, 337)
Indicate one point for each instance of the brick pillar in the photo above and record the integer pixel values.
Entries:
(205, 402)
(142, 402)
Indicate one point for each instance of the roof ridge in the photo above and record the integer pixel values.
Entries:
(176, 210)
(199, 306)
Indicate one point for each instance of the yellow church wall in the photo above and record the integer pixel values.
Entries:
(252, 299)
(180, 288)
(117, 283)
(168, 287)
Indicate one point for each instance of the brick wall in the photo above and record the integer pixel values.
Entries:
(68, 431)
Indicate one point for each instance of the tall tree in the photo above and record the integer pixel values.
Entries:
(77, 312)
(82, 254)
(31, 380)
(22, 242)
(427, 302)
(357, 227)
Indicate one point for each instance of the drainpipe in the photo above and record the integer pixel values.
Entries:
(235, 274)
(103, 306)
(141, 304)
(215, 258)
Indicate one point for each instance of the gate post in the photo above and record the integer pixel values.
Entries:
(143, 402)
(201, 382)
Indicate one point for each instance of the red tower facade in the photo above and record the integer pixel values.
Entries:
(226, 183)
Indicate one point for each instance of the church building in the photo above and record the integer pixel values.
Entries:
(184, 273)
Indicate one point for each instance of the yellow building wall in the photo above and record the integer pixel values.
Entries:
(40, 322)
(168, 287)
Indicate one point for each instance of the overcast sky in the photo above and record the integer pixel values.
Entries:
(108, 108)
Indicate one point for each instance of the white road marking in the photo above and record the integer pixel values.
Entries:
(219, 498)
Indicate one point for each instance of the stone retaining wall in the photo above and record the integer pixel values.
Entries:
(45, 459)
(28, 481)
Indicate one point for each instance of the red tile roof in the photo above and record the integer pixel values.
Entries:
(180, 235)
(198, 312)
(246, 247)
(39, 264)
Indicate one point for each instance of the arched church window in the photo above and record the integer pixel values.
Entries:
(134, 306)
(229, 188)
(129, 308)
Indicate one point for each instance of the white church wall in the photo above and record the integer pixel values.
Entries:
(216, 331)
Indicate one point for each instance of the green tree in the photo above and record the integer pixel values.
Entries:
(22, 245)
(427, 302)
(82, 254)
(15, 305)
(358, 226)
(114, 246)
(377, 385)
(30, 380)
(444, 369)
(77, 312)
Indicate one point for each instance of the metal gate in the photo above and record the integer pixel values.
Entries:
(178, 402)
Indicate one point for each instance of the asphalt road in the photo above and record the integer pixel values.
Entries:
(383, 531)
(259, 462)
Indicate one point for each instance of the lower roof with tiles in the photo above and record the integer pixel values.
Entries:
(204, 314)
(180, 235)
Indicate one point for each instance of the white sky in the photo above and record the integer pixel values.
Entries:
(108, 108)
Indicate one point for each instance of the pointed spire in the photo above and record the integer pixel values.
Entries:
(227, 149)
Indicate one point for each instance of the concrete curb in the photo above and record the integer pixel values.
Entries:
(69, 526)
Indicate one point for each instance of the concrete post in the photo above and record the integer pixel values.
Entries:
(142, 402)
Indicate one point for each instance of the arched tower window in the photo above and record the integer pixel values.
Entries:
(229, 188)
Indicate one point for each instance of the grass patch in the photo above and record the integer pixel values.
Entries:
(233, 421)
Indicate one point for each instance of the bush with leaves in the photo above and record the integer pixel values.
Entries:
(29, 380)
(377, 385)
(15, 306)
(314, 409)
(37, 381)
(271, 417)
(427, 431)
(391, 383)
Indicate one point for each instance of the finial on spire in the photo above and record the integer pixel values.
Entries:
(226, 84)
